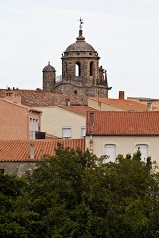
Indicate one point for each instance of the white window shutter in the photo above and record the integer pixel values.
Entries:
(110, 151)
(144, 151)
(83, 131)
(66, 132)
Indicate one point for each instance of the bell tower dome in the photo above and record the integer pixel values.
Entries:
(80, 61)
(81, 74)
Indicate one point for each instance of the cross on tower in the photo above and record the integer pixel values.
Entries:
(81, 22)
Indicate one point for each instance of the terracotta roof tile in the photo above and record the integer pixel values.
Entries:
(19, 150)
(124, 104)
(124, 123)
(37, 98)
(81, 110)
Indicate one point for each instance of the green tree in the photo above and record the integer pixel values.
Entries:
(10, 190)
(77, 195)
(55, 192)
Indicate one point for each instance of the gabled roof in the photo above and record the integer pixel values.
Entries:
(19, 150)
(81, 110)
(20, 105)
(39, 98)
(125, 104)
(124, 123)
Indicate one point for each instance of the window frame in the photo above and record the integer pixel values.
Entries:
(83, 127)
(67, 127)
(107, 160)
(138, 145)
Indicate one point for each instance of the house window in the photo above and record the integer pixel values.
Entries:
(110, 151)
(143, 148)
(66, 132)
(33, 127)
(83, 131)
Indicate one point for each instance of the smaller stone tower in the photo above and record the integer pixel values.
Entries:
(49, 78)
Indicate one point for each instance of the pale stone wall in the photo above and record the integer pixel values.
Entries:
(18, 168)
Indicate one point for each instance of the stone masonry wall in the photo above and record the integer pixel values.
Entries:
(18, 168)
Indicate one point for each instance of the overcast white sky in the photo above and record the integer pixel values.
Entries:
(125, 33)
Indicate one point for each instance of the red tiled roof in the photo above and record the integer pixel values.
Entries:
(37, 98)
(82, 110)
(124, 104)
(19, 150)
(124, 123)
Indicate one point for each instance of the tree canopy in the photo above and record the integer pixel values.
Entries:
(75, 194)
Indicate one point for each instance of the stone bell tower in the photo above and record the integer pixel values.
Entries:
(81, 74)
(80, 62)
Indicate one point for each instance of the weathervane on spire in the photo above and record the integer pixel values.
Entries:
(81, 22)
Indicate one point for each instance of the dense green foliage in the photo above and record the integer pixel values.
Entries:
(77, 195)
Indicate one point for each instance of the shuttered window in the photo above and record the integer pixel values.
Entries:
(66, 132)
(143, 148)
(110, 151)
(83, 131)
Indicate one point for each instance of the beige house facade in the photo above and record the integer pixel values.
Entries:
(18, 121)
(65, 121)
(114, 133)
(115, 145)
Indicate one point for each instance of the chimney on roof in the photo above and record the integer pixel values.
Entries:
(32, 151)
(11, 95)
(68, 102)
(121, 95)
(149, 106)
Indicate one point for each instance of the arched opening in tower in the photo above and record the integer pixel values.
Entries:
(91, 68)
(78, 69)
(65, 69)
